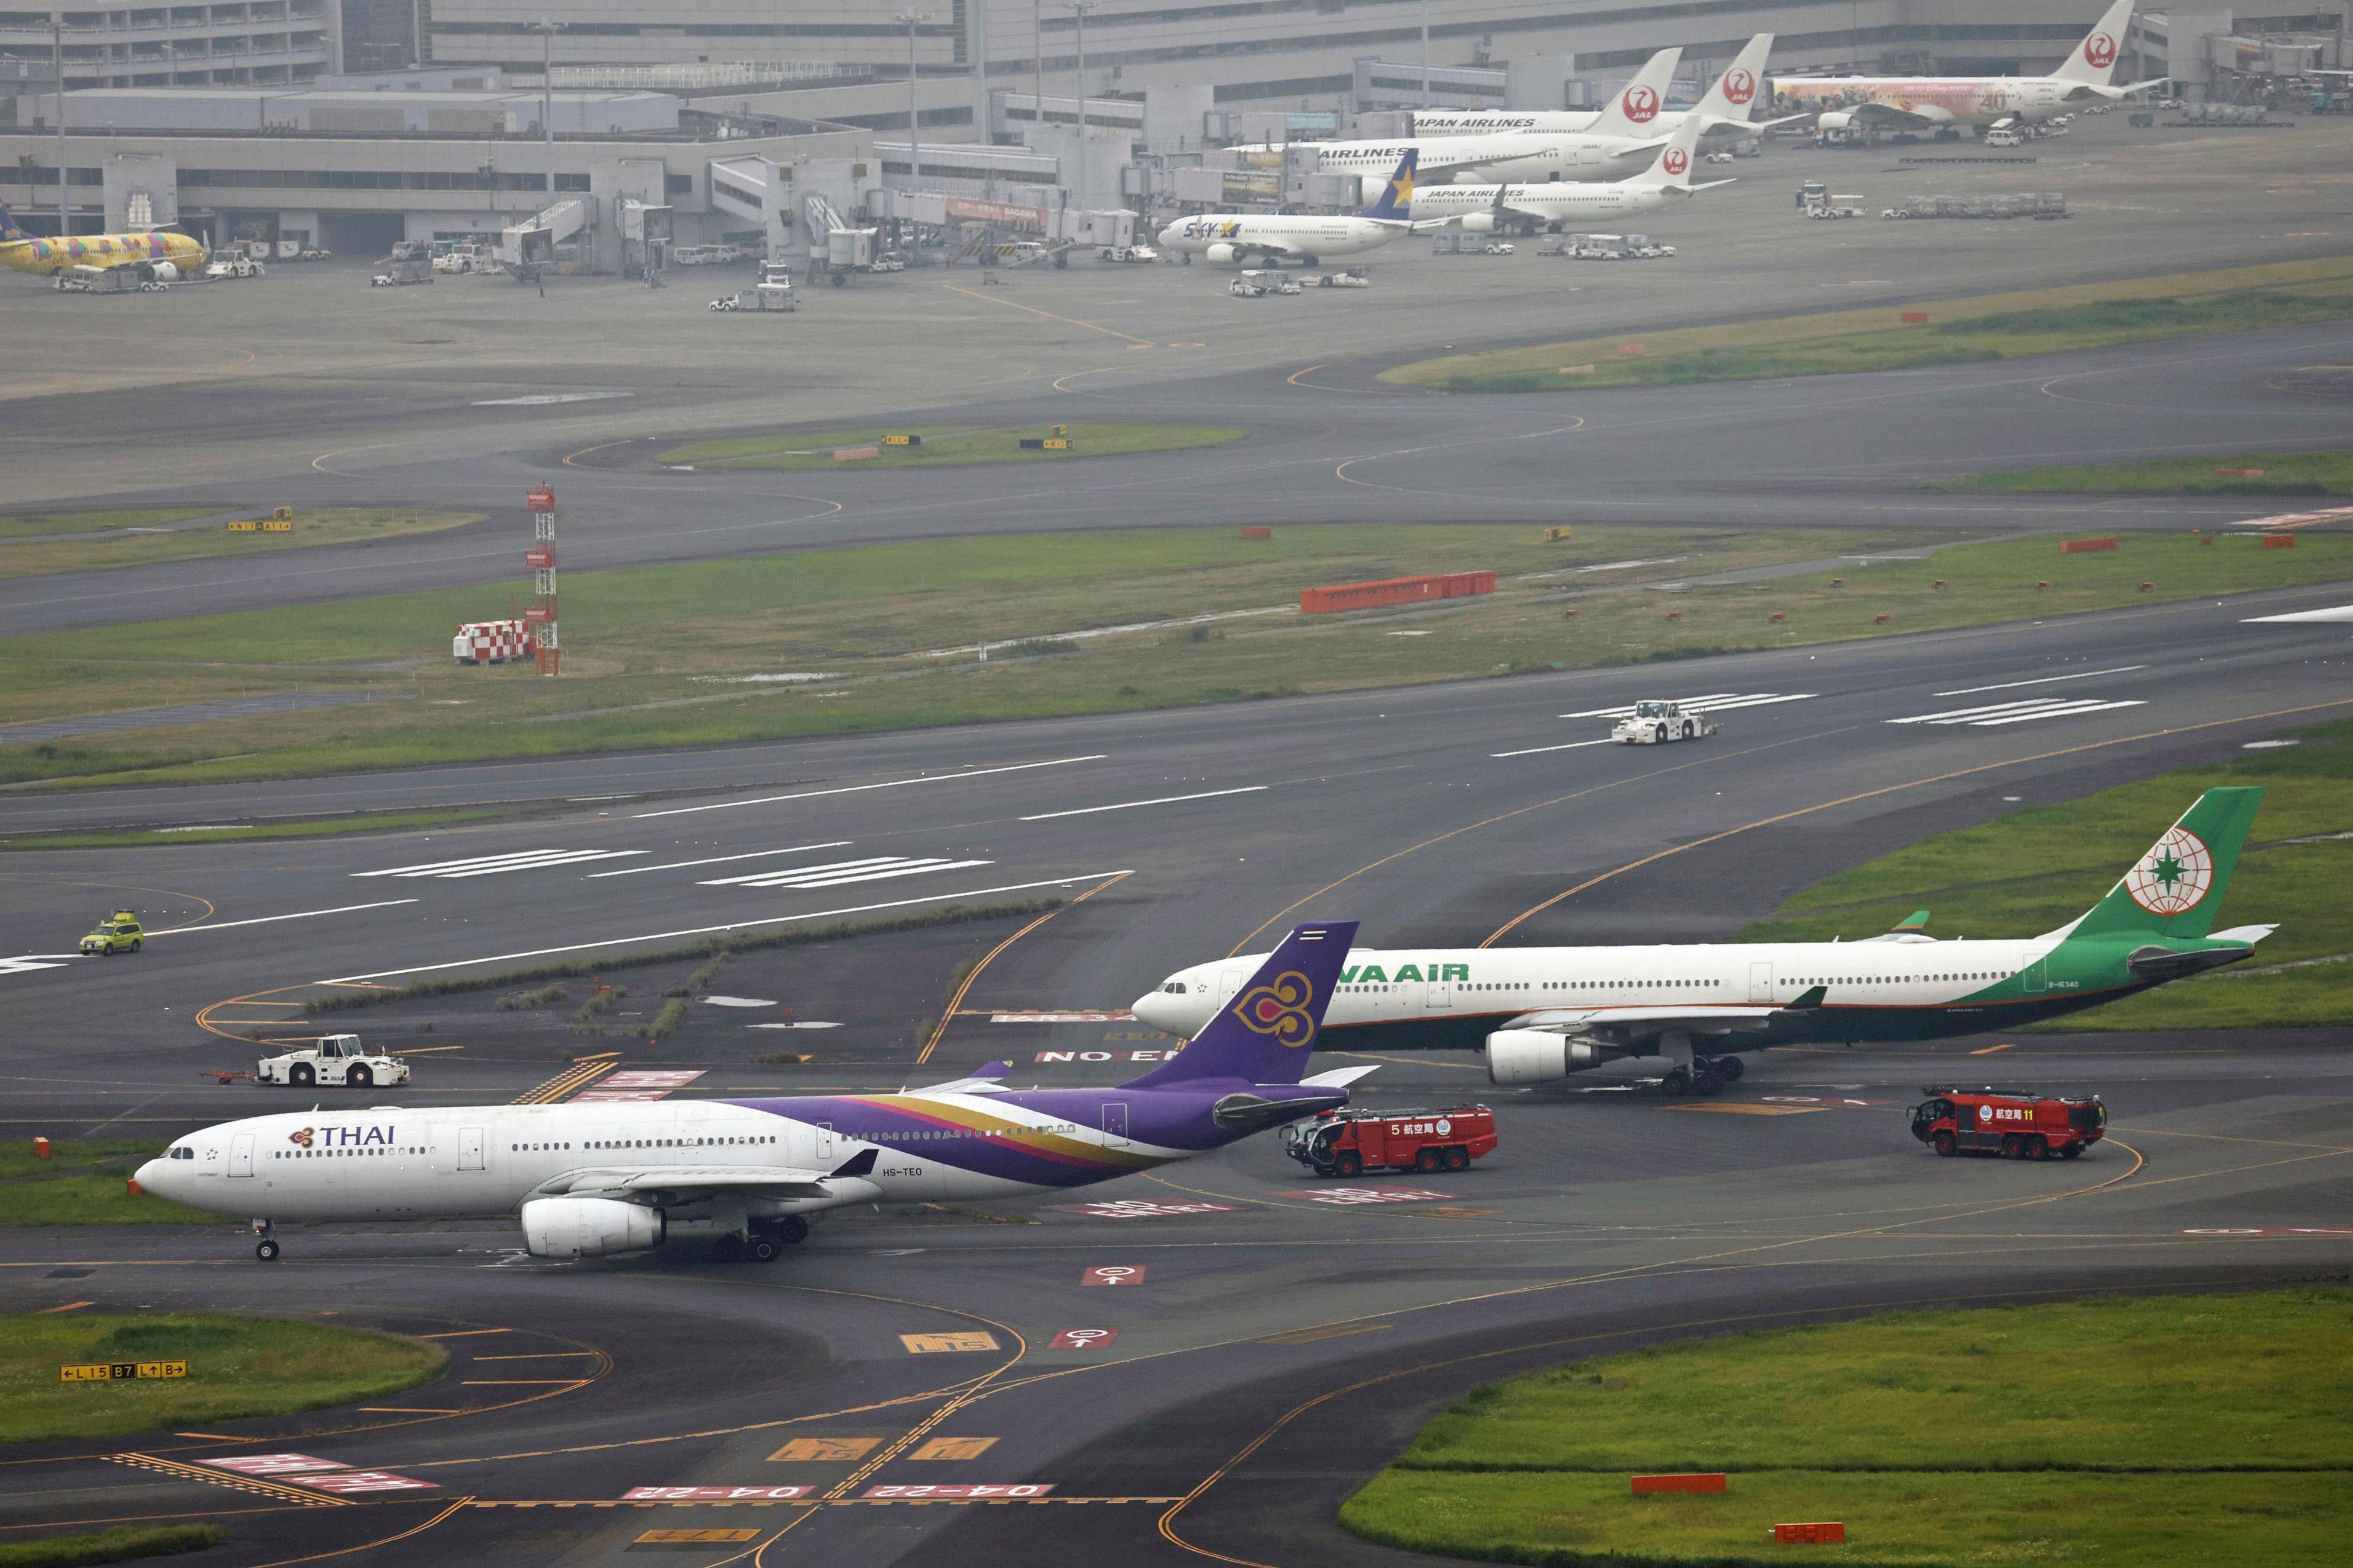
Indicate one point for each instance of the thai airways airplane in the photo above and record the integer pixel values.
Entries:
(158, 254)
(589, 1181)
(1222, 237)
(1544, 1013)
(1722, 110)
(1623, 134)
(1478, 209)
(1949, 104)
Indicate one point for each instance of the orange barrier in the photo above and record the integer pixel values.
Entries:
(1776, 619)
(1394, 590)
(2279, 541)
(2148, 587)
(1810, 1534)
(1700, 1481)
(1915, 318)
(2238, 473)
(1257, 530)
(1880, 620)
(40, 1148)
(851, 454)
(2078, 546)
(1629, 348)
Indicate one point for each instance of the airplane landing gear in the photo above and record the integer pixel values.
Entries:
(1729, 1069)
(1675, 1085)
(266, 1249)
(765, 1241)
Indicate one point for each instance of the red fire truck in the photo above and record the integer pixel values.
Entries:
(1350, 1142)
(2015, 1123)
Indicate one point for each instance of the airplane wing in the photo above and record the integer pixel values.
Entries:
(1629, 1025)
(1887, 117)
(988, 1080)
(675, 1185)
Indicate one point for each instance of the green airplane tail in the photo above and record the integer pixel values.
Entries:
(2175, 888)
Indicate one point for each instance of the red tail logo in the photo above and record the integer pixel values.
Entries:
(1676, 161)
(2100, 51)
(1641, 104)
(1739, 85)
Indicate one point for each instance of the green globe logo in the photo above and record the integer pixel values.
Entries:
(2173, 876)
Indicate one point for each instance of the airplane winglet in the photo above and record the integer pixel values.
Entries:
(859, 1164)
(1812, 999)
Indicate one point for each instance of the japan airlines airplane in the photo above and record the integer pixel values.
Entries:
(1477, 209)
(159, 254)
(1223, 237)
(1949, 104)
(1723, 111)
(1622, 133)
(1544, 1013)
(589, 1181)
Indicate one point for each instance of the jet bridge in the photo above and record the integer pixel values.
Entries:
(533, 244)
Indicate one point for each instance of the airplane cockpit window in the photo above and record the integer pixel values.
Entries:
(1174, 988)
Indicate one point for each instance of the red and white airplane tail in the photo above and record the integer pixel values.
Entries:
(2095, 59)
(1635, 113)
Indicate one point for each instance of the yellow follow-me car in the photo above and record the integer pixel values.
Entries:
(117, 932)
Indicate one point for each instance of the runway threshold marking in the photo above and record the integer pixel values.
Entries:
(579, 1076)
(1068, 321)
(955, 1002)
(1506, 927)
(229, 1478)
(1132, 805)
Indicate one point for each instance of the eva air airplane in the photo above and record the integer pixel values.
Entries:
(590, 1180)
(1543, 1012)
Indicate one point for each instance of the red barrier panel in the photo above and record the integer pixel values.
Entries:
(1394, 590)
(2077, 546)
(1815, 1534)
(2279, 541)
(1915, 318)
(1257, 530)
(2238, 473)
(1644, 1486)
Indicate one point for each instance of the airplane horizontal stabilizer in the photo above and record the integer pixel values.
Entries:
(1338, 1077)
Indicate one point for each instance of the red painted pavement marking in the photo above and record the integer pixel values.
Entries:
(1061, 1018)
(1082, 1338)
(273, 1464)
(1113, 1274)
(1140, 1208)
(343, 1481)
(713, 1494)
(644, 1079)
(618, 1096)
(1027, 1489)
(1342, 1197)
(2272, 1230)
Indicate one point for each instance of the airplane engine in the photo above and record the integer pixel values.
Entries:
(162, 272)
(588, 1228)
(1836, 119)
(1478, 223)
(1536, 1056)
(1219, 254)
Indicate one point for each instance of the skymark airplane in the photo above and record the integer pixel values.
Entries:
(1946, 104)
(1722, 110)
(1222, 237)
(1544, 1013)
(1479, 209)
(589, 1181)
(159, 254)
(1621, 135)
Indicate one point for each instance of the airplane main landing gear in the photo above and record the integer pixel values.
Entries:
(266, 1249)
(765, 1241)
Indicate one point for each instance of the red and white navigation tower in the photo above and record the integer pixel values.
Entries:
(541, 559)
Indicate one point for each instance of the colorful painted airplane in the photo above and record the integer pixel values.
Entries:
(587, 1181)
(160, 255)
(1543, 1012)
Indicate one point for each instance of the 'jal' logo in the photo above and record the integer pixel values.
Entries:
(1642, 105)
(2100, 51)
(1279, 1009)
(1676, 161)
(1739, 85)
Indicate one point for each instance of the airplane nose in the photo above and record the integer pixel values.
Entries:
(1154, 1008)
(152, 1176)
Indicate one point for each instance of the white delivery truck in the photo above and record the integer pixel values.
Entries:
(1656, 722)
(336, 1059)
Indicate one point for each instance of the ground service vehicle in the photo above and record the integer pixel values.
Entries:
(1347, 1142)
(2015, 1124)
(1343, 280)
(1127, 253)
(1259, 282)
(400, 273)
(234, 266)
(117, 932)
(336, 1059)
(1655, 723)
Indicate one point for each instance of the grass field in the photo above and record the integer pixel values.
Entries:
(50, 524)
(2040, 867)
(2140, 1434)
(2284, 474)
(1995, 326)
(690, 654)
(236, 1367)
(85, 1181)
(78, 544)
(943, 448)
(128, 1544)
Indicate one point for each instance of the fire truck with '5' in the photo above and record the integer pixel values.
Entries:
(1347, 1142)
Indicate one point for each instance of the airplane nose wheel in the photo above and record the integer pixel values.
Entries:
(266, 1250)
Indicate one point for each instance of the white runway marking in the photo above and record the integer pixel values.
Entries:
(891, 784)
(1132, 805)
(272, 920)
(1712, 702)
(855, 871)
(2334, 612)
(1532, 750)
(2046, 681)
(732, 925)
(2017, 712)
(496, 864)
(719, 859)
(33, 961)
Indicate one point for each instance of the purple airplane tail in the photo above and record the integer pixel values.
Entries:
(8, 230)
(1266, 1031)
